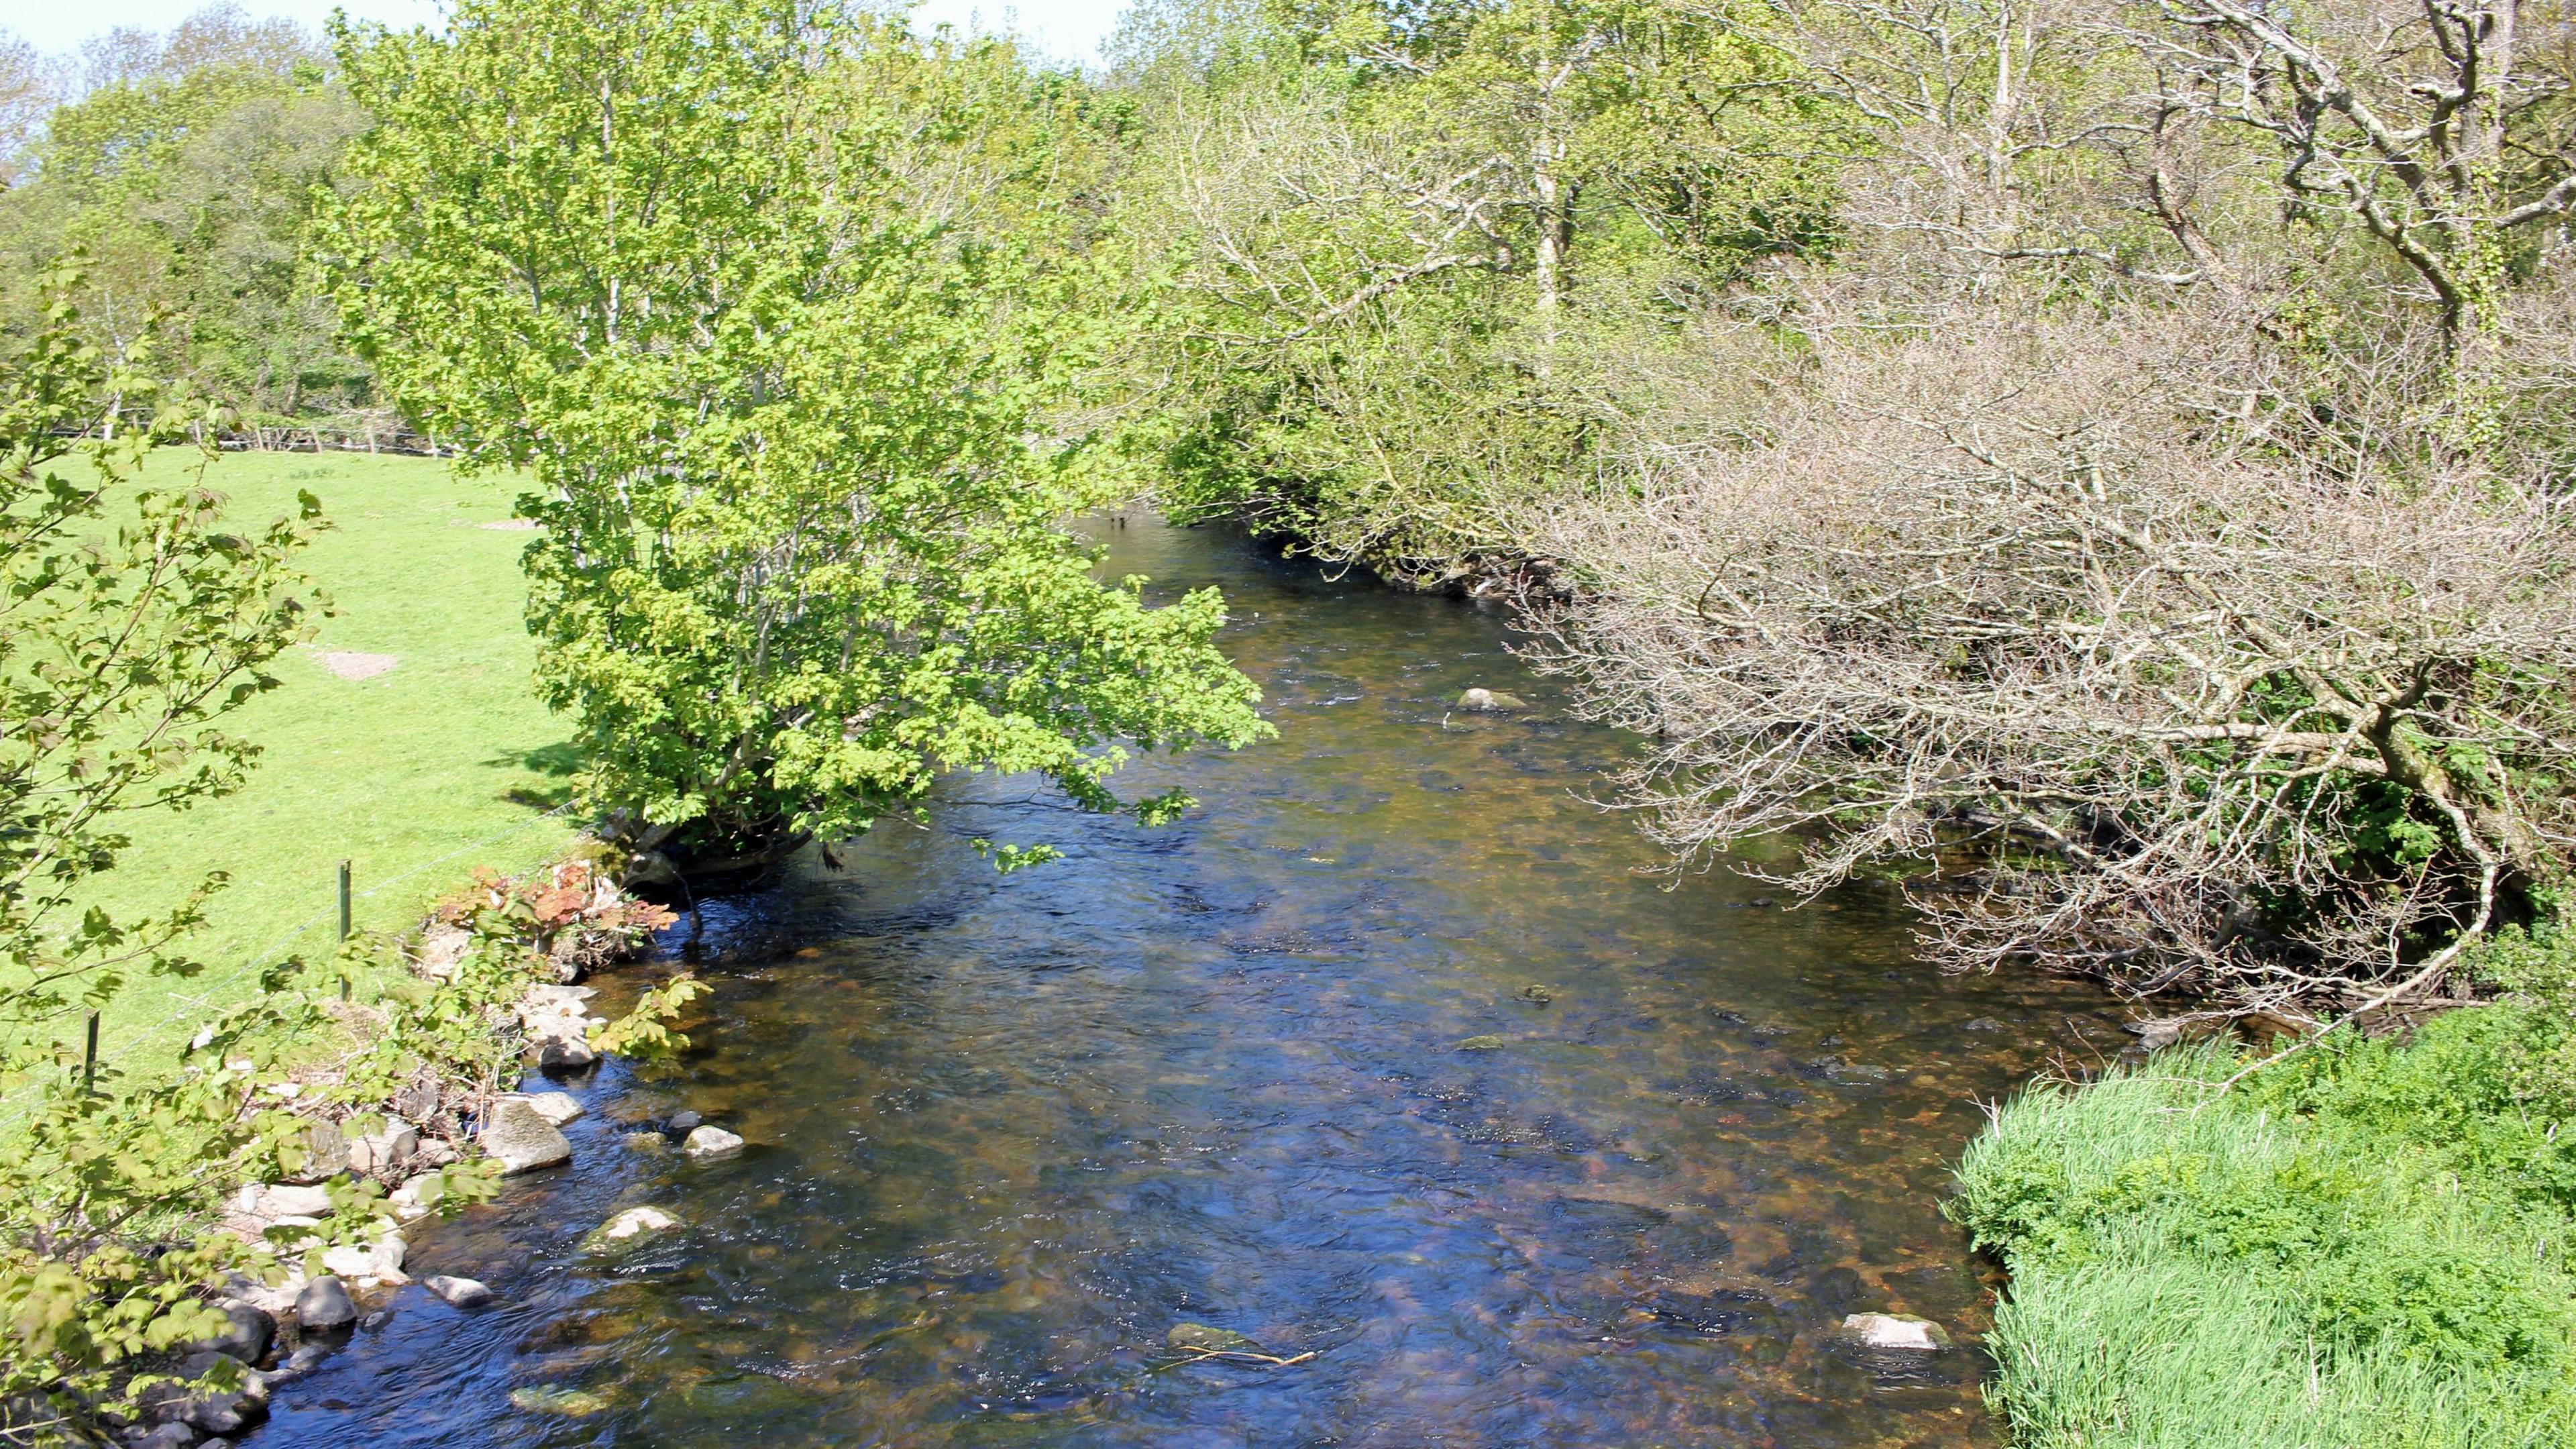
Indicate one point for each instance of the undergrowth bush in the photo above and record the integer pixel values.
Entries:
(2362, 1246)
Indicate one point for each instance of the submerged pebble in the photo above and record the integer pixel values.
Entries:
(1204, 1338)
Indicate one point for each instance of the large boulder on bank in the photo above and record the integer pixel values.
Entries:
(378, 1262)
(325, 1304)
(565, 1054)
(376, 1154)
(418, 1196)
(247, 1333)
(270, 1201)
(326, 1153)
(228, 1411)
(520, 1138)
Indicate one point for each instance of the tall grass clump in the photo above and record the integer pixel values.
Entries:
(2362, 1247)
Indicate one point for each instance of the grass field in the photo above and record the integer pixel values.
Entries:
(440, 763)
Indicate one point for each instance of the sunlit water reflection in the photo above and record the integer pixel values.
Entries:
(1008, 1132)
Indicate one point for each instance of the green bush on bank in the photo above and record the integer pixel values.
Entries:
(2364, 1246)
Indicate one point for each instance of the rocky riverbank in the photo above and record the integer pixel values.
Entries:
(405, 1123)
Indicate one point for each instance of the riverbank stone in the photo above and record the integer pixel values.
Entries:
(325, 1304)
(248, 1331)
(418, 1196)
(558, 1022)
(711, 1142)
(228, 1411)
(1901, 1331)
(273, 1200)
(377, 1262)
(326, 1154)
(2154, 1036)
(376, 1154)
(458, 1292)
(521, 1139)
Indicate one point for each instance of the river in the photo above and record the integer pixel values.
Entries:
(1276, 1069)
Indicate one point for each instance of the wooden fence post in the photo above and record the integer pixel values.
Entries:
(344, 924)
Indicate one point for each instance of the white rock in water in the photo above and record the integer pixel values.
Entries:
(710, 1142)
(565, 1051)
(635, 1222)
(1896, 1331)
(459, 1292)
(556, 1107)
(1490, 699)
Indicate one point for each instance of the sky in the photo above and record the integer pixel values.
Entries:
(1070, 30)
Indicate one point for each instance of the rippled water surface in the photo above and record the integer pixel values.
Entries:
(1275, 1070)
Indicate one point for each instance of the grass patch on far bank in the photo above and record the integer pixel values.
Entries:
(2364, 1247)
(443, 762)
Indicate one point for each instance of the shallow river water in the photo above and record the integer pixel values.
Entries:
(1272, 1070)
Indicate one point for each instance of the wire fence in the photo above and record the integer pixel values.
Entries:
(322, 926)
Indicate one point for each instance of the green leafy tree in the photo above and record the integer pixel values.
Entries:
(1386, 244)
(185, 177)
(132, 620)
(724, 275)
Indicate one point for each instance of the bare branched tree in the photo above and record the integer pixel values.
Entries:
(2154, 542)
(2155, 694)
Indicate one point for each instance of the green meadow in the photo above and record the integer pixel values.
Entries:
(440, 761)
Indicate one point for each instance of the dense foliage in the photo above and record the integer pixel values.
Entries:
(2100, 462)
(185, 173)
(134, 619)
(1390, 248)
(727, 279)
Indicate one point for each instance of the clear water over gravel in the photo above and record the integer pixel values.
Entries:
(1274, 1070)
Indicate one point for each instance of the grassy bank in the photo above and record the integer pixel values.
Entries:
(2365, 1246)
(440, 762)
